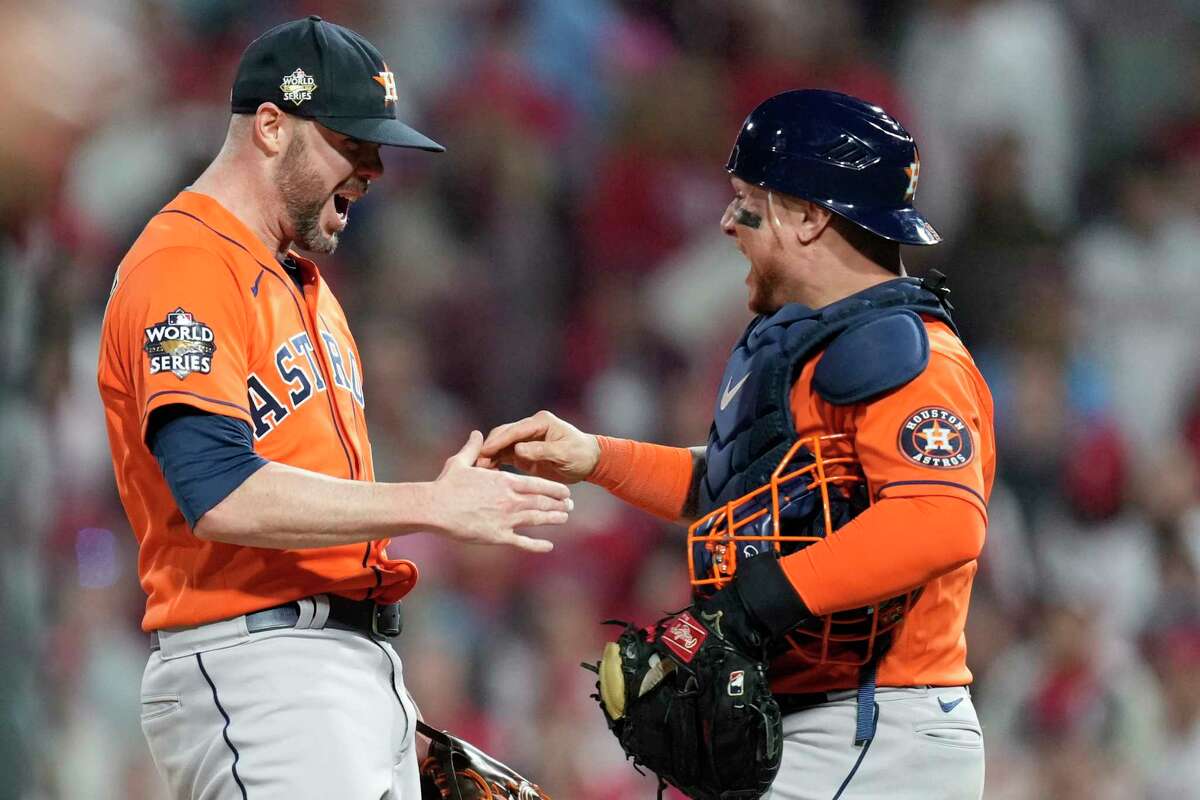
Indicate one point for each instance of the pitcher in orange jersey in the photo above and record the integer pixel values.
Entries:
(844, 346)
(233, 394)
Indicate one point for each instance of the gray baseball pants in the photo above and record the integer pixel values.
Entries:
(928, 745)
(290, 714)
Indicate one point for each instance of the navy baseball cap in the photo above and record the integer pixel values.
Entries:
(320, 71)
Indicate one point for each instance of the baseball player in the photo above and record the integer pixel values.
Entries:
(233, 395)
(843, 345)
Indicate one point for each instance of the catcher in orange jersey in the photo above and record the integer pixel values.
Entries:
(233, 394)
(857, 600)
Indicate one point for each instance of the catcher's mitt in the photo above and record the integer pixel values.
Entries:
(690, 706)
(457, 770)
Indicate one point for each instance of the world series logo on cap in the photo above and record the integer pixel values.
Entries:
(298, 87)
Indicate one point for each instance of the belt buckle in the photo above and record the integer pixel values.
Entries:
(386, 620)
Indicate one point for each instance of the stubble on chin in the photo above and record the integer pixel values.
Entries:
(763, 290)
(304, 198)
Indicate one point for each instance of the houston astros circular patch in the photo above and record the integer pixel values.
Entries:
(936, 437)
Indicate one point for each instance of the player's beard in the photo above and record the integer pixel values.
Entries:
(304, 197)
(765, 288)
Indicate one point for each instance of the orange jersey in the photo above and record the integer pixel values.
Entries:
(930, 440)
(202, 313)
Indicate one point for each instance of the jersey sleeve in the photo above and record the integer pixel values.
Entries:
(653, 477)
(180, 326)
(931, 436)
(865, 562)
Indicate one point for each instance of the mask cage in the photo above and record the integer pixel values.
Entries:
(812, 492)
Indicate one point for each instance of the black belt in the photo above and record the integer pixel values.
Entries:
(791, 703)
(800, 701)
(360, 616)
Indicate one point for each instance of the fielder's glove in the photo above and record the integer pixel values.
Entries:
(688, 697)
(457, 770)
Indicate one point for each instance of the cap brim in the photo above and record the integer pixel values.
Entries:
(903, 225)
(385, 131)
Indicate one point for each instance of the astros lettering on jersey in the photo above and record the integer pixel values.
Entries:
(202, 314)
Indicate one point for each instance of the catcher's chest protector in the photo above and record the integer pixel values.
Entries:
(886, 347)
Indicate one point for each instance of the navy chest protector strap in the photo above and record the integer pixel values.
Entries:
(874, 342)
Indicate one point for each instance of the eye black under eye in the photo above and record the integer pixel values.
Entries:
(748, 218)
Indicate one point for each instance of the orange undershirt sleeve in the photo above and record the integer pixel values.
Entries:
(894, 546)
(652, 477)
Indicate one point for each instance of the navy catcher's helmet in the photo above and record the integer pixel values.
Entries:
(838, 151)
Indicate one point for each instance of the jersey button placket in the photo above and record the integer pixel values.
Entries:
(321, 350)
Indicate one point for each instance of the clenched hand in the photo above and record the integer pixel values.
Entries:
(542, 445)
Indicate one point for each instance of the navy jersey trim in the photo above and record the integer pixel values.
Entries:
(378, 577)
(933, 483)
(291, 293)
(224, 236)
(329, 381)
(225, 730)
(198, 396)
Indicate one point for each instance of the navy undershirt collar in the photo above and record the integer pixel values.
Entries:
(293, 270)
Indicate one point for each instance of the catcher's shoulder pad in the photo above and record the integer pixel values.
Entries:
(883, 353)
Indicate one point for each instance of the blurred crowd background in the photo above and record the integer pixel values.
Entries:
(565, 253)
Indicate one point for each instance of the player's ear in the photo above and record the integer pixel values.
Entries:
(272, 129)
(804, 218)
(816, 219)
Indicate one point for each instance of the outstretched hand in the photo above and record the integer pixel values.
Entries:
(542, 445)
(486, 506)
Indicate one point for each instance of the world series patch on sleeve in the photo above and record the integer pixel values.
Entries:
(180, 344)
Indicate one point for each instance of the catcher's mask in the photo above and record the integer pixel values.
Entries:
(812, 492)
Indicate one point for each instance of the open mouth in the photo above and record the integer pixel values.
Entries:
(341, 205)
